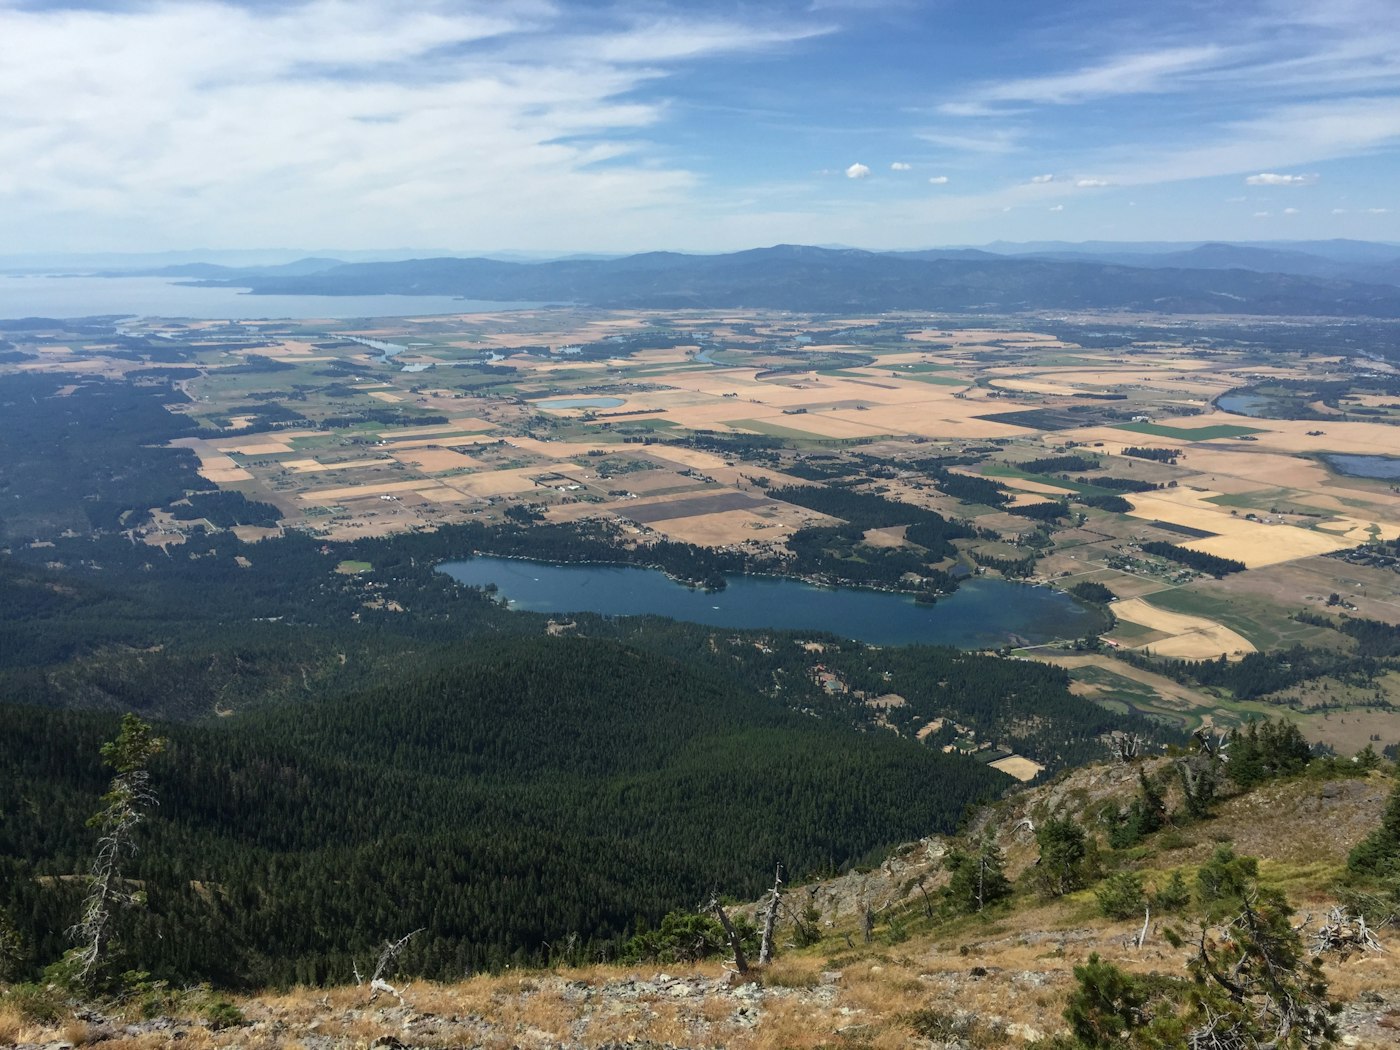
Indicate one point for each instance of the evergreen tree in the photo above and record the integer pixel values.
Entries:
(1249, 984)
(1144, 815)
(1377, 856)
(1252, 984)
(1198, 784)
(1121, 896)
(1106, 1006)
(1267, 750)
(1173, 896)
(1224, 881)
(1064, 855)
(12, 952)
(123, 810)
(978, 879)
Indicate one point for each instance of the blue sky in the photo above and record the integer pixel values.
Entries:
(634, 126)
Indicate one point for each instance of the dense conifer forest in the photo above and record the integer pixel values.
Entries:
(502, 799)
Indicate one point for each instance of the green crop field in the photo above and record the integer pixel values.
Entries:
(1218, 430)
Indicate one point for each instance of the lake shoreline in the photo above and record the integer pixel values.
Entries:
(982, 615)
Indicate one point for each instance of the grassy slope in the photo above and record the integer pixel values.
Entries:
(994, 981)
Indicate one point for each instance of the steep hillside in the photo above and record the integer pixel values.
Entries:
(919, 973)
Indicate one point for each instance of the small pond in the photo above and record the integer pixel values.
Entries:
(1383, 468)
(580, 402)
(1259, 406)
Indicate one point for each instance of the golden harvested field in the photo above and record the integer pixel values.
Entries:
(1018, 766)
(722, 528)
(371, 488)
(1188, 637)
(1026, 485)
(312, 466)
(457, 441)
(503, 482)
(1252, 542)
(262, 447)
(437, 459)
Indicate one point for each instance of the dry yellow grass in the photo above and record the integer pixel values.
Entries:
(368, 489)
(255, 448)
(1018, 766)
(14, 1028)
(437, 459)
(1255, 543)
(446, 441)
(312, 466)
(504, 482)
(726, 527)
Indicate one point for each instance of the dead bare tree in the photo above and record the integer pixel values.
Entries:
(770, 918)
(1345, 935)
(928, 901)
(1126, 746)
(1218, 748)
(741, 963)
(388, 958)
(1146, 921)
(123, 809)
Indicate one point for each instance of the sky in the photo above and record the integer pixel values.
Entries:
(705, 126)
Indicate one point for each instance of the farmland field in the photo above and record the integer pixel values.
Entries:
(1058, 461)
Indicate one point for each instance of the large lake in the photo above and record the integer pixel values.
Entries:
(983, 614)
(161, 297)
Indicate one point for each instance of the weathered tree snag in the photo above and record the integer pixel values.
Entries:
(387, 958)
(740, 962)
(1126, 746)
(1345, 934)
(770, 918)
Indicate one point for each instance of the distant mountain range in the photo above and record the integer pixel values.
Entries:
(1203, 279)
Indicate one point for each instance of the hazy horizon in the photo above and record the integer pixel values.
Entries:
(96, 262)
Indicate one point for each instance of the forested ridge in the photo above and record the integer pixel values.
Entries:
(505, 798)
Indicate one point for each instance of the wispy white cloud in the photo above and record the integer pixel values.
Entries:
(1151, 71)
(1041, 179)
(1000, 140)
(900, 165)
(1269, 178)
(938, 180)
(858, 171)
(1092, 184)
(1057, 207)
(1281, 137)
(341, 121)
